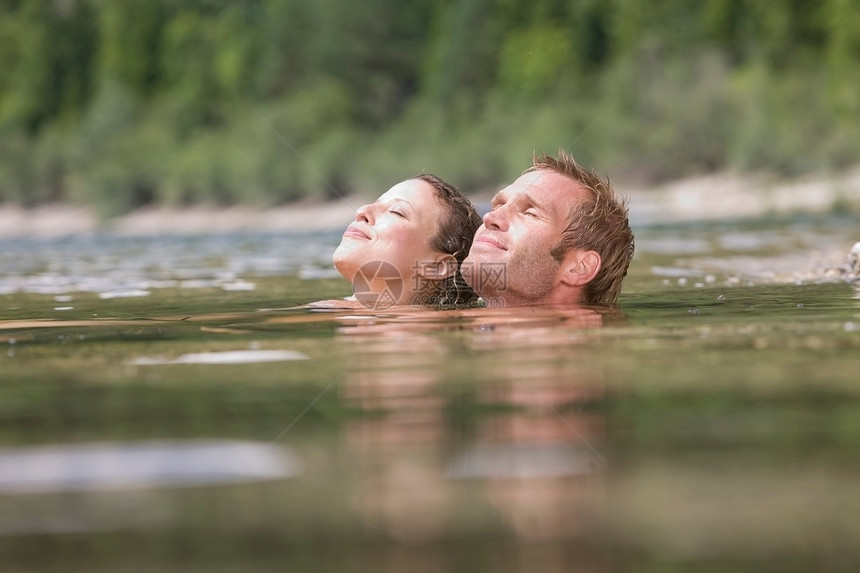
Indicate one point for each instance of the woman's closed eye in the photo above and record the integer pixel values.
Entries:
(398, 213)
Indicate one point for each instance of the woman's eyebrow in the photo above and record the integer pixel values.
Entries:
(395, 201)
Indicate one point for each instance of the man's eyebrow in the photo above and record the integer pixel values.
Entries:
(498, 198)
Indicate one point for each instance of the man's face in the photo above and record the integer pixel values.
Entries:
(526, 222)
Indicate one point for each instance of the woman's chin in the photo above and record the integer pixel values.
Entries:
(345, 265)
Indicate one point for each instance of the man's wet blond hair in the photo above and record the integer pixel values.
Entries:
(600, 223)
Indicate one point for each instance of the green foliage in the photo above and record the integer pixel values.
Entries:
(461, 54)
(46, 60)
(532, 60)
(266, 101)
(130, 38)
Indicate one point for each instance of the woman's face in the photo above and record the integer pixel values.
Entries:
(397, 229)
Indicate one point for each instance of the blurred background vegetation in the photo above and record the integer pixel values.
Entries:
(174, 102)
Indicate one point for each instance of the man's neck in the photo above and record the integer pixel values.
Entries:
(560, 296)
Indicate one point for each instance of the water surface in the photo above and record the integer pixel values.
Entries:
(194, 419)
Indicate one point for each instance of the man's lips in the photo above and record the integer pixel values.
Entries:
(488, 240)
(355, 232)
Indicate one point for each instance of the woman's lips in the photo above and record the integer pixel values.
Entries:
(356, 233)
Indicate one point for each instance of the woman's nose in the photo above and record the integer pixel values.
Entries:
(364, 214)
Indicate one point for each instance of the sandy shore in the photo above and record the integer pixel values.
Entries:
(64, 220)
(722, 196)
(726, 196)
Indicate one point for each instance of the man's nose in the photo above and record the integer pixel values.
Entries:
(496, 219)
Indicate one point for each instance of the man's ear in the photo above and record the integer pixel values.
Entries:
(442, 267)
(580, 267)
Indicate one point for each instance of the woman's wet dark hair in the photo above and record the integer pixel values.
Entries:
(454, 236)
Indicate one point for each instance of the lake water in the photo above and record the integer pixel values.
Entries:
(162, 407)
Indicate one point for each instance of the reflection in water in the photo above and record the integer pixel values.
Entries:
(227, 357)
(514, 448)
(106, 486)
(521, 460)
(542, 461)
(140, 465)
(395, 450)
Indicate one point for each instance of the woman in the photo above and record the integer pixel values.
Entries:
(407, 246)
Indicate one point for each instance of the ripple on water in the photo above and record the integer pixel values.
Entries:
(228, 357)
(675, 272)
(124, 294)
(104, 263)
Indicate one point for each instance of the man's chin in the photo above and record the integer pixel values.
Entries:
(480, 257)
(471, 269)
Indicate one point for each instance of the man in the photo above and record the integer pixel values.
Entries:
(557, 235)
